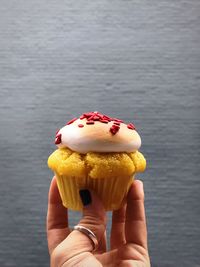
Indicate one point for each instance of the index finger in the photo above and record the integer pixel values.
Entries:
(57, 218)
(135, 226)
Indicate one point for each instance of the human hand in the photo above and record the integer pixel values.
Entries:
(128, 233)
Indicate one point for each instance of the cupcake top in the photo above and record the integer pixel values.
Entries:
(96, 132)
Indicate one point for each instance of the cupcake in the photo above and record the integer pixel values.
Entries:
(96, 152)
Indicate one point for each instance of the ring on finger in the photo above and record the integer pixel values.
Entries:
(89, 234)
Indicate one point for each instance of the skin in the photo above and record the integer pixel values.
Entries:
(128, 233)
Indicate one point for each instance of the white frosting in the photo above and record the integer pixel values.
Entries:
(98, 138)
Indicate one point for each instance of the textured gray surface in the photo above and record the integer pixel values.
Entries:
(138, 60)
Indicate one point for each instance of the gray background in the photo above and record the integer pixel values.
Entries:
(138, 60)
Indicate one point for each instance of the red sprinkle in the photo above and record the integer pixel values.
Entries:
(71, 121)
(58, 139)
(104, 121)
(131, 126)
(90, 122)
(117, 120)
(114, 130)
(107, 118)
(89, 114)
(96, 118)
(90, 118)
(80, 125)
(116, 123)
(101, 116)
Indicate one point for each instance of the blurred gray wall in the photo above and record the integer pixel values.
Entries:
(138, 60)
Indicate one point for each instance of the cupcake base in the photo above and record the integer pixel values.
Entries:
(111, 190)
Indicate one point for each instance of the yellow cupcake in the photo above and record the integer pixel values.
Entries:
(99, 153)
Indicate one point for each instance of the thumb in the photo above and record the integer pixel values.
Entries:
(94, 215)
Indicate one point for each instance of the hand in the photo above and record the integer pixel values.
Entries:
(128, 233)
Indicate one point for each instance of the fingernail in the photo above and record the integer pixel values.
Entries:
(85, 197)
(140, 185)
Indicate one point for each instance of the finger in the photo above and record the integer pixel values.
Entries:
(94, 218)
(117, 237)
(135, 226)
(57, 218)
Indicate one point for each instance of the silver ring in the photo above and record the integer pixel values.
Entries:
(89, 234)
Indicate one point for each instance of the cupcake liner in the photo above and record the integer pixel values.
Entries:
(111, 191)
